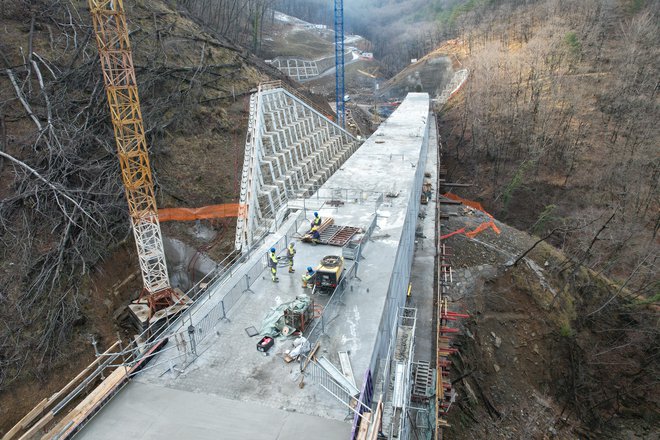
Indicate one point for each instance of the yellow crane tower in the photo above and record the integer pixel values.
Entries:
(111, 31)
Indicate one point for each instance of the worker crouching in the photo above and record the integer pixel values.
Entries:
(316, 235)
(308, 278)
(272, 263)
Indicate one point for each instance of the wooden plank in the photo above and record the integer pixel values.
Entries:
(45, 404)
(78, 414)
(449, 202)
(455, 185)
(375, 427)
(73, 381)
(31, 433)
(26, 420)
(311, 355)
(364, 426)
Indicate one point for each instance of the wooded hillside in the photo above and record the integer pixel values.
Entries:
(65, 235)
(557, 130)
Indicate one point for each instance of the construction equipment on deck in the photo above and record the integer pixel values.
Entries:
(333, 235)
(112, 38)
(329, 272)
(298, 319)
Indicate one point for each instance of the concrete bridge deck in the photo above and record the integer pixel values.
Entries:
(231, 391)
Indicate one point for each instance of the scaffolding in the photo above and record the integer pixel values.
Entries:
(339, 63)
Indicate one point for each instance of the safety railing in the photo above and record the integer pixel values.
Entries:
(321, 377)
(272, 85)
(320, 197)
(407, 321)
(202, 326)
(331, 309)
(198, 320)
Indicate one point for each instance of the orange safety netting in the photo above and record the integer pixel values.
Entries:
(476, 205)
(205, 212)
(482, 227)
(466, 202)
(460, 231)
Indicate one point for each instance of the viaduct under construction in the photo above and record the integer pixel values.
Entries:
(241, 356)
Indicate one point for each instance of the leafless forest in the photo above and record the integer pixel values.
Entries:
(556, 127)
(62, 208)
(557, 130)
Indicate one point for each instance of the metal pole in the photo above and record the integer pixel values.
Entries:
(191, 336)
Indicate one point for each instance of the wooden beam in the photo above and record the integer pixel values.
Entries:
(311, 354)
(444, 201)
(26, 420)
(377, 418)
(455, 185)
(89, 403)
(365, 421)
(47, 403)
(31, 433)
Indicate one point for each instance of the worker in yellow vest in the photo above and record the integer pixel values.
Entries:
(316, 221)
(316, 235)
(272, 263)
(307, 278)
(290, 253)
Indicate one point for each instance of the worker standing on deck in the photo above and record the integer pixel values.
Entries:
(290, 253)
(307, 278)
(316, 235)
(272, 263)
(316, 221)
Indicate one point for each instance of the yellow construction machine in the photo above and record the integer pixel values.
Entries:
(329, 272)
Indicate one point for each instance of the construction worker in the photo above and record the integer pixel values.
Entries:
(290, 253)
(272, 263)
(316, 235)
(307, 278)
(316, 221)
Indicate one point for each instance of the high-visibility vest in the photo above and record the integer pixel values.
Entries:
(290, 252)
(316, 221)
(272, 260)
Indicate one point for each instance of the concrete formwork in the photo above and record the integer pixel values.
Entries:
(290, 151)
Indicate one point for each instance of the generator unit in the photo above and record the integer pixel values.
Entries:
(329, 272)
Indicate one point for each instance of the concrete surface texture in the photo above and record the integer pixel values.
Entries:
(233, 391)
(146, 411)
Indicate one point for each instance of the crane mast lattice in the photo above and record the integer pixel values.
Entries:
(339, 63)
(109, 21)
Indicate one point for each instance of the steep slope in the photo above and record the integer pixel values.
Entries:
(67, 263)
(556, 129)
(549, 351)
